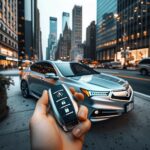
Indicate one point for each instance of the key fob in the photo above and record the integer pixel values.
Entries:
(63, 106)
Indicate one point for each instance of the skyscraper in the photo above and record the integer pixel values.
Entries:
(28, 24)
(106, 32)
(52, 40)
(133, 31)
(65, 19)
(76, 52)
(64, 45)
(8, 33)
(38, 43)
(90, 51)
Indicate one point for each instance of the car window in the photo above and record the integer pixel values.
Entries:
(47, 68)
(36, 67)
(43, 68)
(75, 69)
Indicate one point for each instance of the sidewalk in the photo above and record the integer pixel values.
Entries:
(14, 130)
(12, 72)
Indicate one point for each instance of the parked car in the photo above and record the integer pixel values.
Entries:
(24, 64)
(116, 65)
(144, 66)
(106, 96)
(106, 65)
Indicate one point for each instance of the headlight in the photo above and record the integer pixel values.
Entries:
(94, 93)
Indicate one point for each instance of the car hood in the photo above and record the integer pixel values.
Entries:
(100, 82)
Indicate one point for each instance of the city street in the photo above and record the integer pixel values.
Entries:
(138, 82)
(130, 131)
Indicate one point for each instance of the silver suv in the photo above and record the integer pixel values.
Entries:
(144, 66)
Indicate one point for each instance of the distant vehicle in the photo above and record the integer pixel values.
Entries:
(112, 65)
(24, 64)
(106, 96)
(144, 66)
(115, 65)
(106, 65)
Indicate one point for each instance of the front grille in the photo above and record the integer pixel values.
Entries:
(121, 97)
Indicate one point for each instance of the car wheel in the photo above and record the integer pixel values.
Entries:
(144, 72)
(24, 89)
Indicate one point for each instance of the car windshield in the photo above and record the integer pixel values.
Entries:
(75, 69)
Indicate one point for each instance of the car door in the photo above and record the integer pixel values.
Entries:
(47, 83)
(35, 77)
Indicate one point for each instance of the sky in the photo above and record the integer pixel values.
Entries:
(55, 8)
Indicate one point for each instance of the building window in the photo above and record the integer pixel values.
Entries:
(1, 37)
(138, 35)
(145, 33)
(5, 40)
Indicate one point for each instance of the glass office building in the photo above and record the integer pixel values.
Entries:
(50, 54)
(106, 32)
(27, 34)
(133, 30)
(65, 19)
(76, 34)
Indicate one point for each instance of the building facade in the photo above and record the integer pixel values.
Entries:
(76, 37)
(65, 19)
(133, 31)
(106, 32)
(38, 36)
(8, 33)
(59, 48)
(64, 45)
(90, 50)
(52, 40)
(28, 30)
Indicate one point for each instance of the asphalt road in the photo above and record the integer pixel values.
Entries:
(138, 82)
(128, 132)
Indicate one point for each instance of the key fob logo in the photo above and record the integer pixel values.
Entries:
(59, 94)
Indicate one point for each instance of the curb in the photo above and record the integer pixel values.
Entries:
(141, 95)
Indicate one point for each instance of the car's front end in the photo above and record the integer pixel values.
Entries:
(107, 104)
(106, 96)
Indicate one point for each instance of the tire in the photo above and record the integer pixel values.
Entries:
(144, 72)
(24, 89)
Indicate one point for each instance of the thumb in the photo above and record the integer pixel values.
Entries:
(42, 103)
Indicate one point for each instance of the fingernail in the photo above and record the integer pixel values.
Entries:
(77, 132)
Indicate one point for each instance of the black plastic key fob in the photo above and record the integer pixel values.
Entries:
(63, 106)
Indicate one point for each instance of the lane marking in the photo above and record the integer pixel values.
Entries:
(130, 77)
(147, 97)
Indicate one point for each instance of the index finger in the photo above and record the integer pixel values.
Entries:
(78, 96)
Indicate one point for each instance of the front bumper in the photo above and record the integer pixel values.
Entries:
(103, 109)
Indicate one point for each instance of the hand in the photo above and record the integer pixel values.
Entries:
(46, 134)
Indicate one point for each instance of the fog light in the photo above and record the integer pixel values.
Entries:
(96, 112)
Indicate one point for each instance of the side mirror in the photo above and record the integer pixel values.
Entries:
(51, 76)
